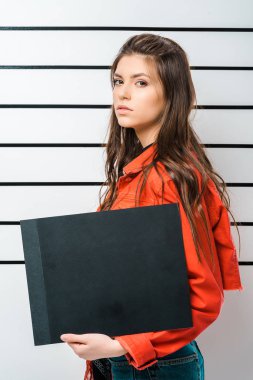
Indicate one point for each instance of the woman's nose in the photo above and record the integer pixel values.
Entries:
(124, 92)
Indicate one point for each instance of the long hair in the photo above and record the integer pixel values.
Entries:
(178, 146)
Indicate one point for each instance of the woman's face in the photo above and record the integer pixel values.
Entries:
(143, 94)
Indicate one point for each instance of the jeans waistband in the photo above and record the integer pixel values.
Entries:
(186, 350)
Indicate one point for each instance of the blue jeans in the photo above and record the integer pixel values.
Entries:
(187, 363)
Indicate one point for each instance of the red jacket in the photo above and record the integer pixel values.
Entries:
(206, 283)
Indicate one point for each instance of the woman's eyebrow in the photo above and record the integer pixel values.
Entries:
(132, 76)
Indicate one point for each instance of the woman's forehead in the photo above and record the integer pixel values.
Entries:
(131, 65)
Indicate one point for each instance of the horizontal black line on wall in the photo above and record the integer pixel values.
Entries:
(229, 184)
(17, 223)
(53, 145)
(12, 262)
(98, 106)
(92, 67)
(98, 145)
(51, 183)
(130, 28)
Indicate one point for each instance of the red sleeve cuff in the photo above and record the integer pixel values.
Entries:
(140, 351)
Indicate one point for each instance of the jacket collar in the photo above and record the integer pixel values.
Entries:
(143, 159)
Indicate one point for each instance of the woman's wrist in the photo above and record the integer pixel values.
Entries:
(119, 349)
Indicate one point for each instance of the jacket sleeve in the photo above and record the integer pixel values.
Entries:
(206, 299)
(226, 251)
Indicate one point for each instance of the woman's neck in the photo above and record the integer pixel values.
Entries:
(145, 147)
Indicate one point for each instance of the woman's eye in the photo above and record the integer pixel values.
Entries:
(142, 82)
(115, 80)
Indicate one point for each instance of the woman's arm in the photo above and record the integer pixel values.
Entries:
(227, 256)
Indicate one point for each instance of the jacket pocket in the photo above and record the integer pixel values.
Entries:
(126, 200)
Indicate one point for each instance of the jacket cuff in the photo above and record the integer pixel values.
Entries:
(140, 351)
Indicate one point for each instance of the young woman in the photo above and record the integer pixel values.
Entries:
(155, 157)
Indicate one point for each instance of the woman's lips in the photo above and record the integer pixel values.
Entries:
(123, 110)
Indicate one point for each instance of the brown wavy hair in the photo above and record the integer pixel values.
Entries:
(177, 143)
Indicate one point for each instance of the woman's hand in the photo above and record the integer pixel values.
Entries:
(93, 346)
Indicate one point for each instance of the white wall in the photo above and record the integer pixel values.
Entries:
(28, 172)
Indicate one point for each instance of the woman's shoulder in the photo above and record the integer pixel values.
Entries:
(161, 176)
